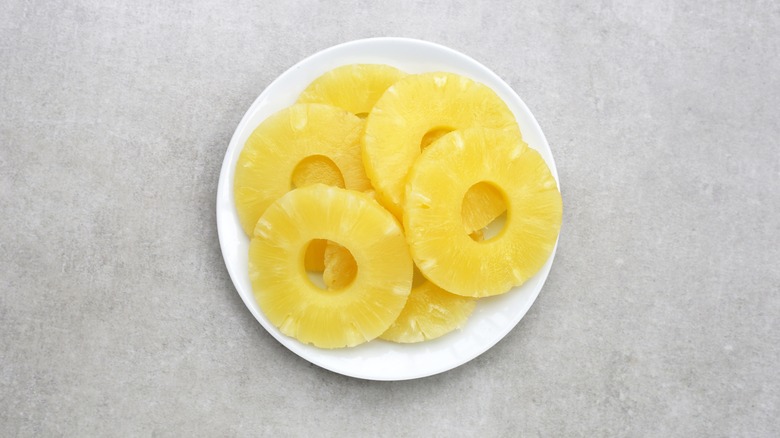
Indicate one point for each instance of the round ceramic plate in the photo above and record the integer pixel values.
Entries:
(493, 317)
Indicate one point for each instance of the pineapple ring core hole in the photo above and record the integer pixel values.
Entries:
(316, 169)
(338, 273)
(492, 201)
(433, 135)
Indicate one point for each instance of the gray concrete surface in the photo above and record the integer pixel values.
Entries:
(660, 317)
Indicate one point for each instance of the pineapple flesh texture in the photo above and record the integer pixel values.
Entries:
(430, 312)
(313, 170)
(481, 205)
(329, 318)
(339, 266)
(278, 157)
(353, 87)
(412, 114)
(432, 212)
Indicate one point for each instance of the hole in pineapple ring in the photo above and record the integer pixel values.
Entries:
(483, 211)
(339, 268)
(316, 169)
(362, 115)
(434, 134)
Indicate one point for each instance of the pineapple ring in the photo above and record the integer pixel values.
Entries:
(432, 212)
(415, 111)
(271, 155)
(361, 310)
(354, 87)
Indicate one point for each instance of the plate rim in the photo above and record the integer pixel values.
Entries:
(224, 186)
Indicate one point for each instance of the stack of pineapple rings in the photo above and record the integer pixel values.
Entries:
(385, 183)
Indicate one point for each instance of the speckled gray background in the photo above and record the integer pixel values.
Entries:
(661, 314)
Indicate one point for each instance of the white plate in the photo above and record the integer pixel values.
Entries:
(493, 317)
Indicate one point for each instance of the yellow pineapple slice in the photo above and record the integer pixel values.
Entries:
(413, 113)
(353, 87)
(429, 313)
(437, 183)
(336, 317)
(286, 141)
